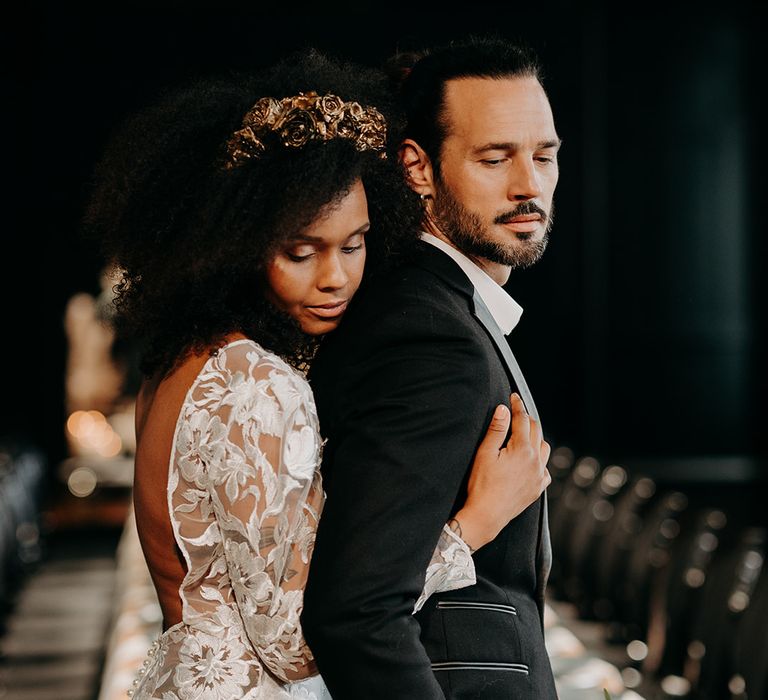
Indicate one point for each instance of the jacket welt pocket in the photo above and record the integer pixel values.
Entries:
(472, 632)
(479, 666)
(472, 605)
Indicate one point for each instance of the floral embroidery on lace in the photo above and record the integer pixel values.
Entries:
(244, 497)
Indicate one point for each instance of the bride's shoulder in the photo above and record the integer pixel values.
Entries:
(247, 356)
(250, 380)
(244, 364)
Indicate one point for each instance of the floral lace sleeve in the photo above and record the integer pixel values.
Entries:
(268, 495)
(244, 498)
(451, 567)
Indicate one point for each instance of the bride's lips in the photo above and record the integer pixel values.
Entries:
(527, 223)
(329, 311)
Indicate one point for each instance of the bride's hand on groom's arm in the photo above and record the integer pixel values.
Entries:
(505, 478)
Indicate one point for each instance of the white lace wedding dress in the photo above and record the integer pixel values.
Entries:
(244, 498)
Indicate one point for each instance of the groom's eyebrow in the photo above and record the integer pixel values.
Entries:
(511, 146)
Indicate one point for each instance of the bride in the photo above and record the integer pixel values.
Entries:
(240, 213)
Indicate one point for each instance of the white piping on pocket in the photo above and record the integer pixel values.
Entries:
(479, 666)
(471, 605)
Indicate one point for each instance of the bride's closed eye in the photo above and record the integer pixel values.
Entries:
(299, 256)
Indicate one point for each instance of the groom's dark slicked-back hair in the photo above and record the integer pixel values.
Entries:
(420, 78)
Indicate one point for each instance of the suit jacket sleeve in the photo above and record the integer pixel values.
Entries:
(409, 406)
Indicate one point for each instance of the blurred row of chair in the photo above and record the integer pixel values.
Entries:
(22, 469)
(675, 573)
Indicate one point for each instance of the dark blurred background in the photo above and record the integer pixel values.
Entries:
(645, 324)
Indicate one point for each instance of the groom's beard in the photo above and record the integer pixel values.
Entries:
(471, 236)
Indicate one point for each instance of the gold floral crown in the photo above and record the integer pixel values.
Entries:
(303, 118)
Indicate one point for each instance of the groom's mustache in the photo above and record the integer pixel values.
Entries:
(522, 209)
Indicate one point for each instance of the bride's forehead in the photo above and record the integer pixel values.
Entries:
(342, 218)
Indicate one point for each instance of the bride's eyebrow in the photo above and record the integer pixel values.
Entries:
(306, 238)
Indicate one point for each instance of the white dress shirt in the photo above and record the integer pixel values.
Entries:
(504, 309)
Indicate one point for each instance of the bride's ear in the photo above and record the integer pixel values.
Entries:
(417, 168)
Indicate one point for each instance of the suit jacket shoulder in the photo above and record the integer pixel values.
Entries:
(419, 313)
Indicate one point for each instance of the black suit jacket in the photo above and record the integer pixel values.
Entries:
(405, 390)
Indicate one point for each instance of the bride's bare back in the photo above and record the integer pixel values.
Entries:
(157, 411)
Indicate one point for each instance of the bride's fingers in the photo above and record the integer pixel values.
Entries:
(544, 452)
(536, 436)
(497, 430)
(521, 426)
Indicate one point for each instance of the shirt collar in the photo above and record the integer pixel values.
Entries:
(504, 309)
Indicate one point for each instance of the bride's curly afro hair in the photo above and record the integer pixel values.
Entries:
(192, 238)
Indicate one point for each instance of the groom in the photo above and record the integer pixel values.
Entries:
(406, 387)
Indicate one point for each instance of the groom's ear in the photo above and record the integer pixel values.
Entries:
(417, 168)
